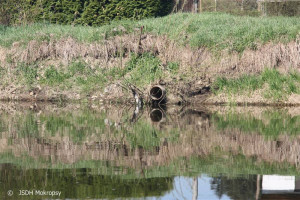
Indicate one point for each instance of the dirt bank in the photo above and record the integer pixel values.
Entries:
(192, 82)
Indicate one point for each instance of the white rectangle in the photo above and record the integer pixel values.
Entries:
(275, 182)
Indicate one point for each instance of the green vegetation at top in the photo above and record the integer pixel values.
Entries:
(85, 12)
(275, 85)
(216, 31)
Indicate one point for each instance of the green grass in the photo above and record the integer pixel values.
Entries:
(80, 126)
(216, 31)
(272, 124)
(228, 164)
(279, 86)
(28, 72)
(53, 76)
(141, 70)
(86, 125)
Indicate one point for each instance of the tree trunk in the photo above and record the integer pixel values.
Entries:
(195, 188)
(257, 187)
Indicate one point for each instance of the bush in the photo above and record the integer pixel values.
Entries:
(87, 12)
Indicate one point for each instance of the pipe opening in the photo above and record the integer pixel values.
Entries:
(156, 115)
(157, 93)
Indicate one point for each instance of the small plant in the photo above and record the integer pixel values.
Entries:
(54, 77)
(173, 67)
(2, 71)
(28, 72)
(77, 68)
(143, 70)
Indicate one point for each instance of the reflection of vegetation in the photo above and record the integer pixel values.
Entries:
(79, 183)
(86, 127)
(228, 164)
(272, 123)
(145, 135)
(231, 165)
(77, 127)
(235, 188)
(84, 124)
(26, 125)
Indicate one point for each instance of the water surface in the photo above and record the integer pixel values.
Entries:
(116, 152)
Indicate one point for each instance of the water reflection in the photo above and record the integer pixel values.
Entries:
(280, 187)
(97, 151)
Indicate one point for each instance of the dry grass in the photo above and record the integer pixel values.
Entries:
(198, 67)
(107, 53)
(200, 138)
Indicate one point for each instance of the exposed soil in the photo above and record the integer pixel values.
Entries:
(200, 65)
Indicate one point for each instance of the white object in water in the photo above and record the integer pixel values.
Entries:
(275, 182)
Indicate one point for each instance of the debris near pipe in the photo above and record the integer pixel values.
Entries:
(157, 93)
(138, 95)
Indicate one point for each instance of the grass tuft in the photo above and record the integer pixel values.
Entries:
(278, 86)
(143, 69)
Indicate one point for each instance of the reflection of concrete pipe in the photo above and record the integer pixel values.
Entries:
(157, 93)
(157, 115)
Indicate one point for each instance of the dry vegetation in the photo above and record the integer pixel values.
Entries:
(188, 67)
(201, 138)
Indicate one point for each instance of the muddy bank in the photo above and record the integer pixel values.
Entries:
(192, 82)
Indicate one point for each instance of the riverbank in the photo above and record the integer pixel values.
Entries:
(210, 58)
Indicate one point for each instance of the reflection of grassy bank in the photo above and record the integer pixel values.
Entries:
(231, 165)
(221, 163)
(271, 123)
(81, 126)
(79, 183)
(182, 143)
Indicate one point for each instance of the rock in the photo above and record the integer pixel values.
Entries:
(114, 90)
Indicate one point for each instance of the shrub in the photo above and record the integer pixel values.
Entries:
(87, 12)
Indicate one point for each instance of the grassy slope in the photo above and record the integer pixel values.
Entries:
(213, 30)
(279, 86)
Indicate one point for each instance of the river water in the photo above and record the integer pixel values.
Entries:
(97, 151)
